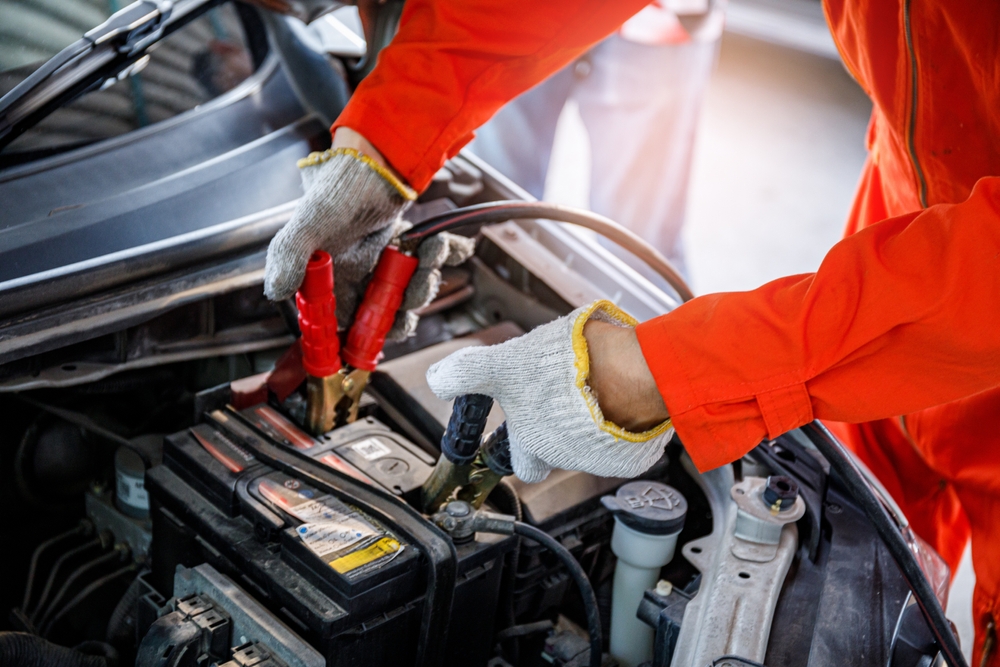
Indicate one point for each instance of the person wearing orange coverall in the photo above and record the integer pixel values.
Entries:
(896, 336)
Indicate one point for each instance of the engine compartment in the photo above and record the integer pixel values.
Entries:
(177, 512)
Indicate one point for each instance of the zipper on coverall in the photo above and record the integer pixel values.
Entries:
(911, 130)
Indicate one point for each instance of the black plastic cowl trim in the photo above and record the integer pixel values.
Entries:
(854, 480)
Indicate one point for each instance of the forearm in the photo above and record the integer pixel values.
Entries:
(345, 137)
(454, 63)
(620, 379)
(900, 317)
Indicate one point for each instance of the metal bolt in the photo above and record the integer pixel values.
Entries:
(458, 508)
(780, 493)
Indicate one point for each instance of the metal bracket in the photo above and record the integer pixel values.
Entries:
(733, 609)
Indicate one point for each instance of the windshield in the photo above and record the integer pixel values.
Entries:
(32, 31)
(198, 62)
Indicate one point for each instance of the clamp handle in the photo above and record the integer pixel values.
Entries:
(460, 442)
(318, 317)
(378, 308)
(495, 451)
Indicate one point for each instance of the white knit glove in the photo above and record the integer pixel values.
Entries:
(554, 421)
(351, 209)
(440, 250)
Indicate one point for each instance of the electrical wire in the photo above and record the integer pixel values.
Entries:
(507, 501)
(87, 592)
(83, 528)
(502, 211)
(511, 501)
(582, 583)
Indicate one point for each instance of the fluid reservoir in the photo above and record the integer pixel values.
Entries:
(648, 518)
(130, 490)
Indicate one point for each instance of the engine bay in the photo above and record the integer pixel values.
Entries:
(177, 511)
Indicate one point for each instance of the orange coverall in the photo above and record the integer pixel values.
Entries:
(896, 336)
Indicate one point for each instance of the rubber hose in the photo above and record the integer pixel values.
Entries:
(99, 649)
(503, 211)
(19, 649)
(579, 577)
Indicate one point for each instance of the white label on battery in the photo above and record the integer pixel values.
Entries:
(371, 449)
(132, 491)
(326, 538)
(325, 508)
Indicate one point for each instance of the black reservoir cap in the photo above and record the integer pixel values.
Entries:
(648, 507)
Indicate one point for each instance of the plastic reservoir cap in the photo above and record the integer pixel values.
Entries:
(648, 507)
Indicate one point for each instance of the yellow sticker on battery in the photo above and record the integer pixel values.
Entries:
(379, 549)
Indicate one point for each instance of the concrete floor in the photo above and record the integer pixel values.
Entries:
(777, 159)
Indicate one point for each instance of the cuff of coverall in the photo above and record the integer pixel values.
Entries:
(716, 432)
(415, 164)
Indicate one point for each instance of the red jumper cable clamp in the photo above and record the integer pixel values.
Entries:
(372, 322)
(320, 346)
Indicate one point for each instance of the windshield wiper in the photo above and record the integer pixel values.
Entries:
(101, 54)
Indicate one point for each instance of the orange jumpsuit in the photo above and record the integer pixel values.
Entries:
(896, 336)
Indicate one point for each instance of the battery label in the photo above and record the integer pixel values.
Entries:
(383, 548)
(371, 449)
(331, 537)
(328, 510)
(330, 529)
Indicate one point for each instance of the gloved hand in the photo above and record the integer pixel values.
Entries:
(351, 209)
(440, 250)
(554, 420)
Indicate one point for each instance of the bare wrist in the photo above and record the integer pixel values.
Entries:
(345, 137)
(620, 379)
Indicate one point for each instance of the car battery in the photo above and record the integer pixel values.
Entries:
(366, 450)
(348, 583)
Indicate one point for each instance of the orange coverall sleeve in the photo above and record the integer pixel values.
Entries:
(901, 316)
(454, 63)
